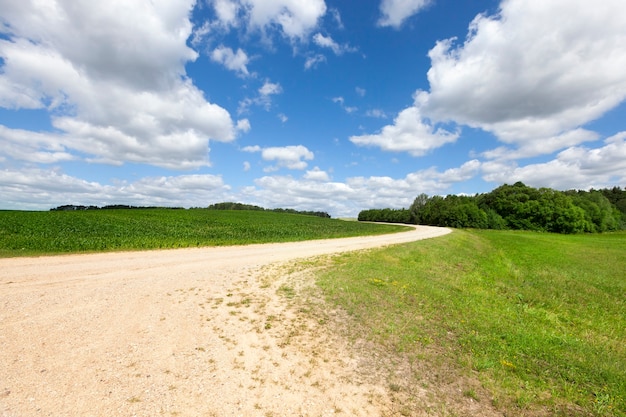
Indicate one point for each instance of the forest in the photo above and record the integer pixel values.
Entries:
(516, 207)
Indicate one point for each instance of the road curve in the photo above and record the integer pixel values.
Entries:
(191, 332)
(50, 269)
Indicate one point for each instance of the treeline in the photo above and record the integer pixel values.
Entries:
(240, 206)
(516, 207)
(387, 215)
(73, 207)
(217, 206)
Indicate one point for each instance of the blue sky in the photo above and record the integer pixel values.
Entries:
(313, 105)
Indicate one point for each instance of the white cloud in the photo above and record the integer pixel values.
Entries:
(595, 168)
(282, 117)
(227, 12)
(408, 133)
(234, 61)
(336, 17)
(255, 148)
(341, 102)
(39, 189)
(24, 145)
(543, 147)
(346, 199)
(293, 19)
(302, 194)
(533, 75)
(110, 64)
(314, 61)
(395, 12)
(264, 98)
(328, 42)
(360, 91)
(291, 157)
(316, 174)
(376, 113)
(243, 125)
(269, 88)
(534, 72)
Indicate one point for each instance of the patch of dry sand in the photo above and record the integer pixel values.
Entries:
(191, 332)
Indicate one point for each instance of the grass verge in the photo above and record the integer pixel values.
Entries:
(539, 319)
(34, 233)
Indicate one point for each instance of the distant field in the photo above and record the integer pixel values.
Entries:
(538, 319)
(34, 233)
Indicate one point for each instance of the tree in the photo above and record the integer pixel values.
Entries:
(599, 212)
(417, 206)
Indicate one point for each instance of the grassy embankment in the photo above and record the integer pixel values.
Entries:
(36, 233)
(538, 319)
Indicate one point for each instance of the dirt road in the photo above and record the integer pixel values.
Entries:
(192, 332)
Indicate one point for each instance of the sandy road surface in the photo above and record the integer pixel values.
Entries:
(191, 332)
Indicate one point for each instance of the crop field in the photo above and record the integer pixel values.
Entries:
(35, 233)
(537, 319)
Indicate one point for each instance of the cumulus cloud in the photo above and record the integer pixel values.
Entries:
(39, 189)
(292, 19)
(597, 168)
(408, 133)
(533, 75)
(548, 146)
(227, 12)
(302, 194)
(316, 174)
(295, 18)
(395, 12)
(27, 146)
(112, 75)
(234, 61)
(290, 157)
(315, 192)
(243, 125)
(534, 71)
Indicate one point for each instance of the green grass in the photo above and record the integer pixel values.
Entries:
(539, 318)
(35, 233)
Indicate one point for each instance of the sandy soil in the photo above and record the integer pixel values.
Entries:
(192, 332)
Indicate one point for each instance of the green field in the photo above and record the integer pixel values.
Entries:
(537, 320)
(34, 233)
